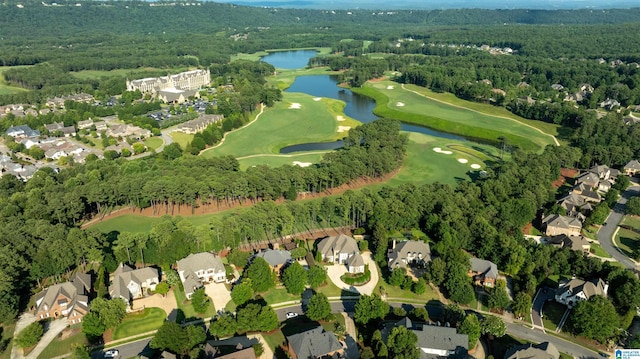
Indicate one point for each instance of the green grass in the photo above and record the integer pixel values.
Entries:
(599, 251)
(7, 334)
(278, 295)
(330, 289)
(590, 232)
(98, 74)
(138, 223)
(138, 323)
(552, 314)
(395, 292)
(279, 160)
(59, 347)
(627, 241)
(633, 221)
(153, 143)
(180, 138)
(187, 308)
(451, 119)
(281, 126)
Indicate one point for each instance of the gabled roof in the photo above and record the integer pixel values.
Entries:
(559, 221)
(632, 165)
(338, 244)
(543, 350)
(124, 275)
(575, 243)
(432, 339)
(275, 257)
(355, 260)
(313, 343)
(485, 267)
(201, 261)
(76, 290)
(402, 249)
(588, 177)
(590, 288)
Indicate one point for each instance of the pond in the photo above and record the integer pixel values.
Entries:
(357, 106)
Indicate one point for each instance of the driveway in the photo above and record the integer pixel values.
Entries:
(23, 321)
(168, 304)
(52, 329)
(219, 294)
(607, 231)
(543, 295)
(335, 271)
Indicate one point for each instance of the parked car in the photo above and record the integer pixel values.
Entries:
(111, 353)
(291, 315)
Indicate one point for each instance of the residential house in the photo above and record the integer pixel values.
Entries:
(129, 283)
(584, 190)
(605, 172)
(407, 253)
(484, 272)
(576, 243)
(575, 206)
(85, 124)
(544, 350)
(355, 264)
(572, 291)
(433, 341)
(68, 131)
(211, 352)
(590, 180)
(556, 224)
(197, 269)
(22, 131)
(69, 299)
(338, 249)
(631, 168)
(314, 343)
(100, 125)
(54, 126)
(277, 258)
(609, 104)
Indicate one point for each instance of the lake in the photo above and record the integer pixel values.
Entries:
(357, 106)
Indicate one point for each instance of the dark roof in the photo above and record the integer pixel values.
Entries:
(275, 257)
(484, 267)
(398, 255)
(338, 244)
(433, 339)
(543, 350)
(313, 343)
(590, 288)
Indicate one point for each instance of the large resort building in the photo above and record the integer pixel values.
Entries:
(170, 87)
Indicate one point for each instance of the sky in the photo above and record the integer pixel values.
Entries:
(441, 4)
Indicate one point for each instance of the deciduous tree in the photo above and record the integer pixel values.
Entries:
(402, 344)
(260, 274)
(317, 276)
(242, 292)
(369, 308)
(30, 335)
(471, 327)
(588, 318)
(318, 307)
(294, 278)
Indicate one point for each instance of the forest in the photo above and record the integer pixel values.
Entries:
(40, 218)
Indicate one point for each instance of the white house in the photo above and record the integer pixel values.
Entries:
(572, 291)
(129, 283)
(197, 269)
(342, 249)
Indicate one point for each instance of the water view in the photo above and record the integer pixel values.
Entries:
(289, 59)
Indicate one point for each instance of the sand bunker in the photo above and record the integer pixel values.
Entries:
(295, 106)
(399, 104)
(344, 128)
(302, 164)
(475, 166)
(463, 160)
(440, 150)
(317, 99)
(340, 118)
(389, 87)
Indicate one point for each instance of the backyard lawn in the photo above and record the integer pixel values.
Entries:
(138, 323)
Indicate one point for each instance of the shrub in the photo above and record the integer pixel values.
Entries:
(358, 278)
(30, 335)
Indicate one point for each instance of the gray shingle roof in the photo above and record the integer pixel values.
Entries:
(632, 165)
(402, 249)
(124, 274)
(543, 350)
(431, 337)
(485, 267)
(77, 290)
(338, 244)
(355, 260)
(313, 343)
(590, 288)
(275, 256)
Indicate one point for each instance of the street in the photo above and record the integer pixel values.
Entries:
(605, 234)
(129, 350)
(537, 336)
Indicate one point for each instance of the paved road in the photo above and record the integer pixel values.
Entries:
(129, 350)
(605, 234)
(537, 336)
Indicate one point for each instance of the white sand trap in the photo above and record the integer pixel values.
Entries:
(295, 106)
(399, 104)
(344, 128)
(389, 87)
(340, 118)
(463, 160)
(446, 152)
(475, 166)
(302, 164)
(437, 149)
(317, 99)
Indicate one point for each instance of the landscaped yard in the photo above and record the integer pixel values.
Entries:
(599, 251)
(138, 323)
(59, 347)
(153, 143)
(187, 309)
(627, 240)
(298, 325)
(552, 314)
(395, 292)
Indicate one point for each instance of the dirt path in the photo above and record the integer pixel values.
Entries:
(555, 140)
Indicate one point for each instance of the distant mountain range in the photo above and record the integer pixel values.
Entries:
(440, 4)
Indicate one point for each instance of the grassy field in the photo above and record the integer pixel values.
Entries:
(597, 249)
(627, 241)
(139, 223)
(138, 323)
(181, 138)
(59, 347)
(97, 74)
(281, 126)
(153, 143)
(279, 160)
(552, 313)
(395, 102)
(5, 88)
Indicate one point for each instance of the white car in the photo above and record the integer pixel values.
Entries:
(111, 353)
(291, 315)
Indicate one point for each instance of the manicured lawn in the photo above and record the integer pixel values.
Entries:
(273, 160)
(187, 308)
(281, 126)
(153, 143)
(552, 314)
(395, 292)
(330, 289)
(598, 250)
(138, 323)
(627, 240)
(591, 232)
(138, 223)
(180, 138)
(5, 88)
(395, 102)
(633, 221)
(7, 334)
(278, 295)
(59, 347)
